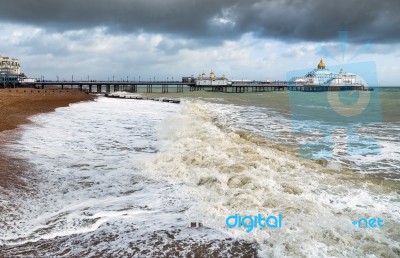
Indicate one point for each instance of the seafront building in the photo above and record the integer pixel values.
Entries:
(9, 66)
(10, 70)
(324, 77)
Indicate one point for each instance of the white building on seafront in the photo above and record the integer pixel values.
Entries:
(10, 70)
(324, 77)
(9, 65)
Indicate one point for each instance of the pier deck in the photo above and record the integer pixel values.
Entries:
(111, 86)
(178, 86)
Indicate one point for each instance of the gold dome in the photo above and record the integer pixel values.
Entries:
(321, 65)
(212, 75)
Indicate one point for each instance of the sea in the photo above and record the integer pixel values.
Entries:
(143, 178)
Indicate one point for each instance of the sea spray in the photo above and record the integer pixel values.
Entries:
(225, 172)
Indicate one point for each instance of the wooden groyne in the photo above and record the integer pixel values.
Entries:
(174, 101)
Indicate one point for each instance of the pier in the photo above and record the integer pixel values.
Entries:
(110, 86)
(148, 86)
(105, 87)
(240, 88)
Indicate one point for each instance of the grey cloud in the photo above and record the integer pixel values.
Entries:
(170, 47)
(215, 20)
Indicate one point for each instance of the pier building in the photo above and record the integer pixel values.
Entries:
(212, 80)
(321, 76)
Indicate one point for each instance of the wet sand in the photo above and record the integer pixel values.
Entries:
(16, 106)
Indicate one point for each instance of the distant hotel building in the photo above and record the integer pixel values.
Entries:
(9, 66)
(10, 70)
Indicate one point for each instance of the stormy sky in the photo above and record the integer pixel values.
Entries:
(252, 39)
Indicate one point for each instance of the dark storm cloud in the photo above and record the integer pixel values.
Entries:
(215, 20)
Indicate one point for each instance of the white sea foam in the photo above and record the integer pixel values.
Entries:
(227, 172)
(131, 168)
(83, 171)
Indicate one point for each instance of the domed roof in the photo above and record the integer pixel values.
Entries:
(212, 75)
(321, 65)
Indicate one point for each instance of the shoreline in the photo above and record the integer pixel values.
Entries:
(16, 106)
